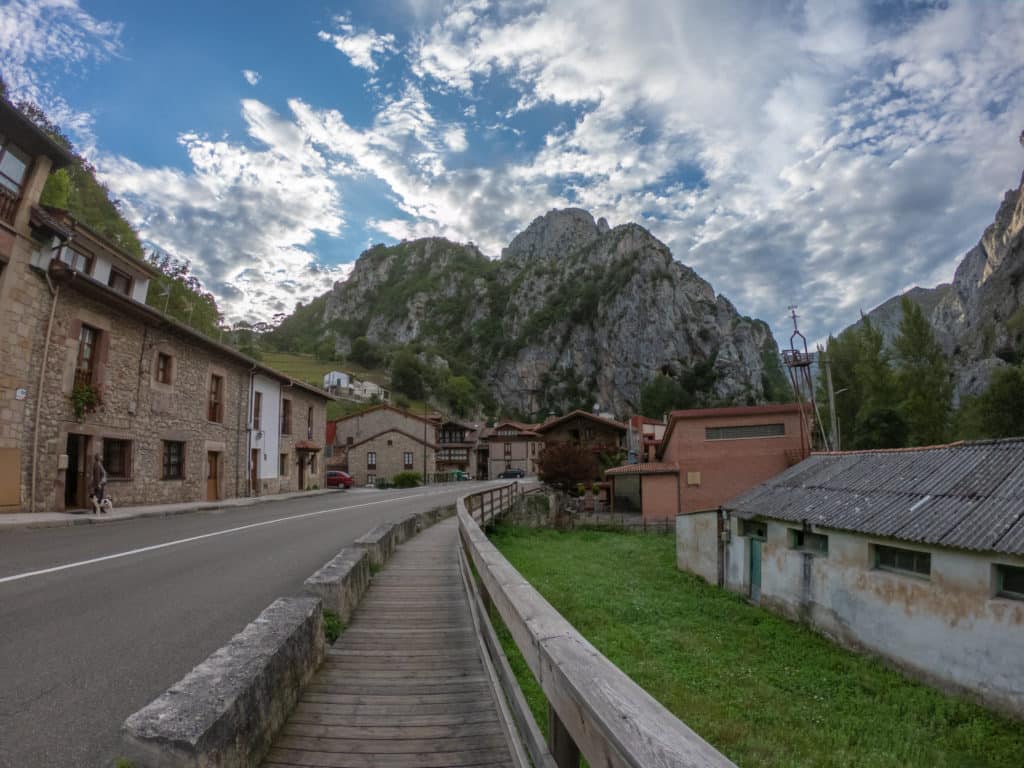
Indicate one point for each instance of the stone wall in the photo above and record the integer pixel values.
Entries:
(136, 408)
(373, 422)
(389, 448)
(314, 461)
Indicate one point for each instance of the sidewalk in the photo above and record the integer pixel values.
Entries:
(62, 519)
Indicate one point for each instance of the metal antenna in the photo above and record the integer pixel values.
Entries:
(798, 360)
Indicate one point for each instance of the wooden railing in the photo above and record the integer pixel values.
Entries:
(594, 709)
(8, 205)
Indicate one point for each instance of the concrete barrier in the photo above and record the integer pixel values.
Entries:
(379, 543)
(406, 528)
(340, 584)
(227, 710)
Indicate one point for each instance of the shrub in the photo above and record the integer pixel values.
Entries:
(407, 480)
(84, 398)
(565, 466)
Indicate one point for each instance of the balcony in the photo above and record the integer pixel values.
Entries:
(8, 205)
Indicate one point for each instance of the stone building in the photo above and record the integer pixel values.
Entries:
(384, 440)
(598, 434)
(457, 447)
(512, 445)
(90, 370)
(916, 555)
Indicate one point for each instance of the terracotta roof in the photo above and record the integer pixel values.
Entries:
(549, 425)
(648, 468)
(965, 495)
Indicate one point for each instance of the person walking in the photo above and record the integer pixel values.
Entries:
(99, 484)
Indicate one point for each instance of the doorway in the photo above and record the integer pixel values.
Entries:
(302, 471)
(212, 476)
(755, 570)
(75, 481)
(254, 471)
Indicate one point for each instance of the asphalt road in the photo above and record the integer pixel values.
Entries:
(81, 648)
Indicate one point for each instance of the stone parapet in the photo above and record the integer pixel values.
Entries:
(226, 711)
(379, 543)
(340, 584)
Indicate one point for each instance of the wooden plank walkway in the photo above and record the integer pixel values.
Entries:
(404, 686)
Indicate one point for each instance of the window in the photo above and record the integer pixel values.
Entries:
(174, 460)
(391, 442)
(371, 479)
(215, 411)
(120, 282)
(117, 458)
(78, 261)
(407, 460)
(808, 542)
(508, 450)
(371, 459)
(744, 431)
(84, 368)
(755, 529)
(328, 451)
(1010, 582)
(903, 560)
(257, 410)
(282, 468)
(163, 368)
(349, 440)
(309, 423)
(13, 164)
(286, 416)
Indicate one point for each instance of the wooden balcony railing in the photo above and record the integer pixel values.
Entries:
(8, 205)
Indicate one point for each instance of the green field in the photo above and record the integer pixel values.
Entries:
(763, 690)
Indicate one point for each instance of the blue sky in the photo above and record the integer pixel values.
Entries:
(821, 154)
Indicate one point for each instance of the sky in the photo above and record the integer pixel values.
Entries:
(825, 155)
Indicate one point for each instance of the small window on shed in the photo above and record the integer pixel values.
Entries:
(755, 529)
(807, 541)
(1010, 582)
(903, 560)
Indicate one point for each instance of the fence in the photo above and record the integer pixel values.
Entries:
(594, 709)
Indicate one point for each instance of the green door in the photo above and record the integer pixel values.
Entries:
(755, 570)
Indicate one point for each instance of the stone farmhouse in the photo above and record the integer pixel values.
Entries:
(914, 554)
(598, 434)
(384, 440)
(90, 369)
(511, 445)
(707, 456)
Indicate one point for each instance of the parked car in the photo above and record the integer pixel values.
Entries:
(511, 473)
(338, 479)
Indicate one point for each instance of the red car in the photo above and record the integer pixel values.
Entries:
(338, 479)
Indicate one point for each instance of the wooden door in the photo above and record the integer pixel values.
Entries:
(254, 471)
(302, 471)
(212, 476)
(76, 481)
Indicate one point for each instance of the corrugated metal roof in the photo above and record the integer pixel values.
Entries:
(965, 495)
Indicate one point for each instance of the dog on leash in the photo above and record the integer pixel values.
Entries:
(100, 506)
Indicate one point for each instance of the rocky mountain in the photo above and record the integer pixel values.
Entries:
(979, 317)
(573, 312)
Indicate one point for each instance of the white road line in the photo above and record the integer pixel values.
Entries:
(140, 550)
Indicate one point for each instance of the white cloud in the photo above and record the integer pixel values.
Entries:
(38, 34)
(252, 77)
(359, 47)
(245, 216)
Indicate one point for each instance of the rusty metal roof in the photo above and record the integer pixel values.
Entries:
(966, 495)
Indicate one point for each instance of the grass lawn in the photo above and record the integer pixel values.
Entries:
(763, 690)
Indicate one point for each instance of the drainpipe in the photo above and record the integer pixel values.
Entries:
(248, 431)
(39, 388)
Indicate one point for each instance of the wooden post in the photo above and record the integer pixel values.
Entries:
(560, 743)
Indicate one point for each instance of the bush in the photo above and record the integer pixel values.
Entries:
(407, 480)
(566, 466)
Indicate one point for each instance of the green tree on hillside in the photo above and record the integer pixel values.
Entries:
(364, 353)
(407, 374)
(460, 395)
(663, 394)
(998, 412)
(178, 293)
(922, 378)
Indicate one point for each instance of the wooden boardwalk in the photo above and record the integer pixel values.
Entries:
(405, 684)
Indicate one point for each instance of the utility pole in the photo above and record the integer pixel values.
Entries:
(833, 417)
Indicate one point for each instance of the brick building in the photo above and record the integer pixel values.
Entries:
(708, 456)
(90, 369)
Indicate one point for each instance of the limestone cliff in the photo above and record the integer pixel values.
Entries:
(573, 312)
(979, 317)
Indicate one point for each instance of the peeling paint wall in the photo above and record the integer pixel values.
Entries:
(948, 629)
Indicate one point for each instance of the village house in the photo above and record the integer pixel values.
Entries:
(913, 554)
(707, 456)
(598, 434)
(457, 447)
(643, 436)
(91, 370)
(384, 440)
(368, 390)
(512, 445)
(338, 383)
